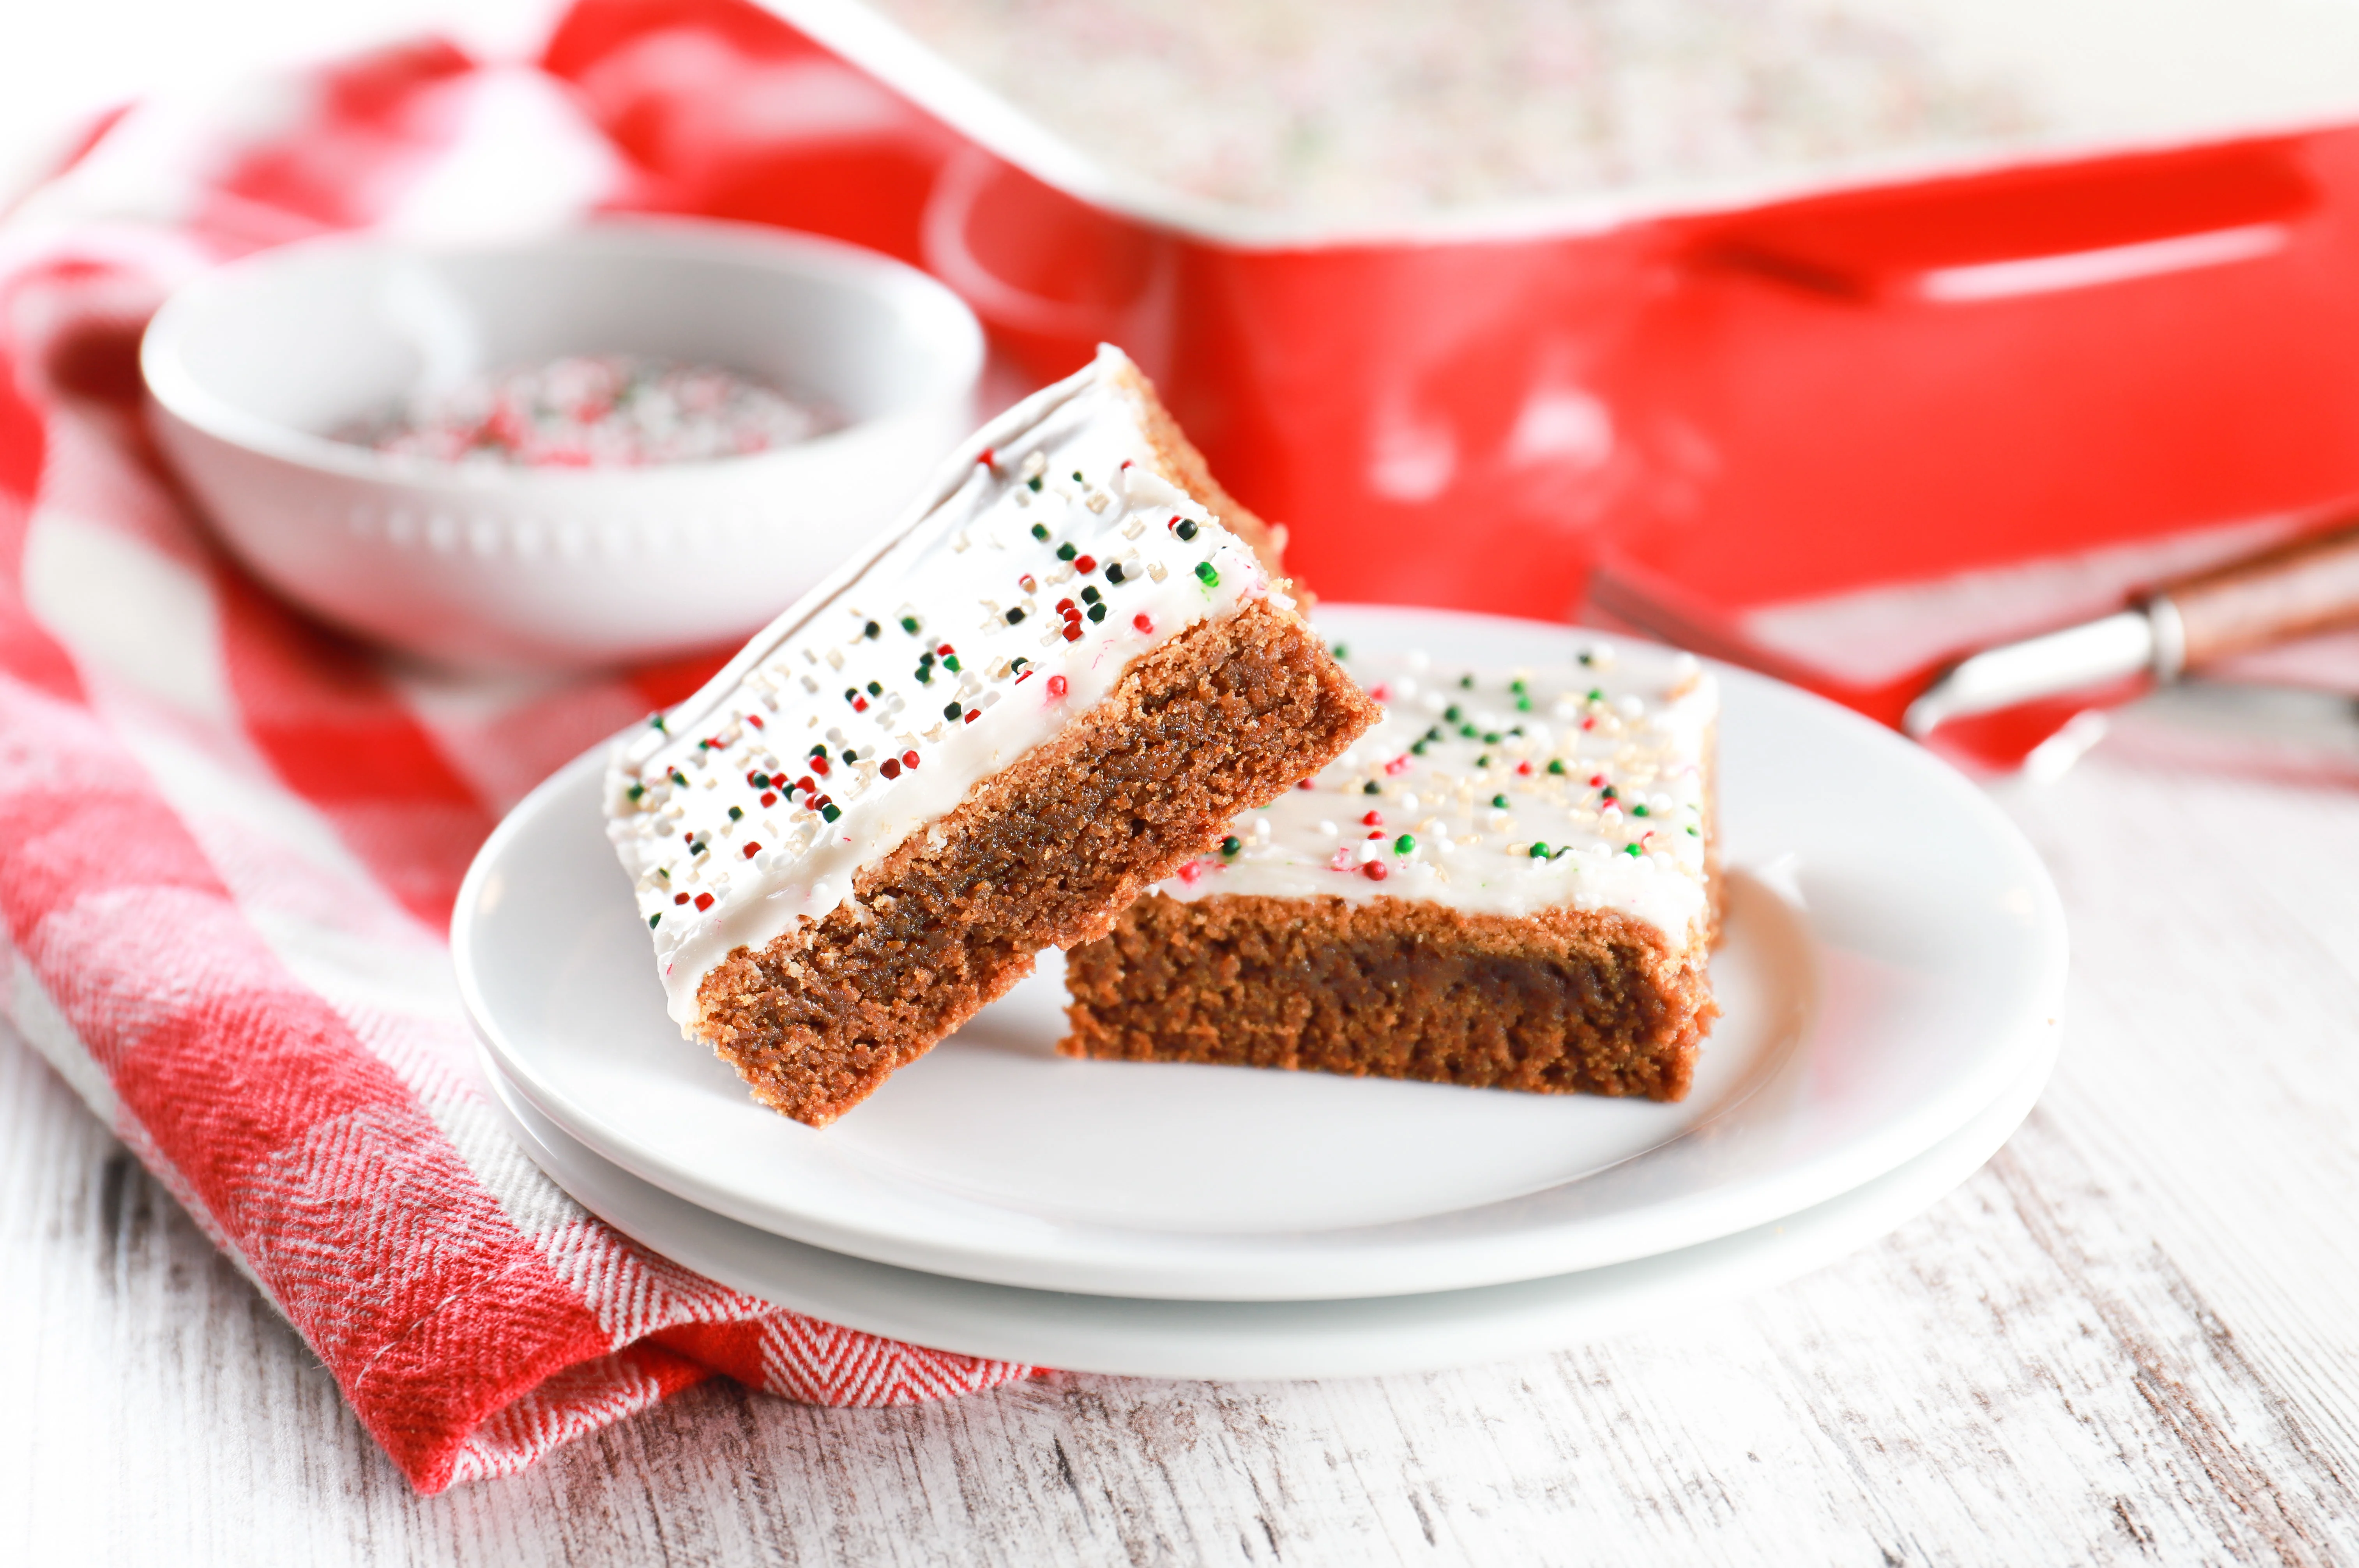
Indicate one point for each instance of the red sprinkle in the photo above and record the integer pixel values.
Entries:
(755, 777)
(972, 714)
(689, 837)
(1597, 781)
(860, 704)
(1189, 872)
(1398, 765)
(1142, 623)
(1030, 584)
(704, 900)
(1172, 522)
(1589, 723)
(1057, 685)
(1304, 785)
(770, 798)
(1086, 565)
(680, 898)
(1067, 607)
(818, 766)
(805, 784)
(1373, 820)
(752, 849)
(1525, 769)
(890, 768)
(986, 459)
(755, 720)
(1379, 834)
(1074, 631)
(909, 759)
(1375, 871)
(1380, 692)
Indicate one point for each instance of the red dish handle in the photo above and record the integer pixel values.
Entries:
(2031, 231)
(1049, 274)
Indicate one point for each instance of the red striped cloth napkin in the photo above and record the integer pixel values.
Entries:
(230, 841)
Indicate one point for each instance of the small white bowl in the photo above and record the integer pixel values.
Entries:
(249, 367)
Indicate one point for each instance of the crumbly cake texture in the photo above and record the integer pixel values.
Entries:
(1052, 686)
(1511, 882)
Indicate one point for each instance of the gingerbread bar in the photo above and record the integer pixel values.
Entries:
(1053, 686)
(1509, 883)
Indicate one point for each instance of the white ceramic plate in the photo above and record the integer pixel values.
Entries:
(1895, 956)
(1267, 1339)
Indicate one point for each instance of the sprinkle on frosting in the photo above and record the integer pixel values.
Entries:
(913, 672)
(1501, 791)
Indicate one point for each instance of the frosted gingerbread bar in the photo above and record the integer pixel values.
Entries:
(1509, 883)
(1052, 686)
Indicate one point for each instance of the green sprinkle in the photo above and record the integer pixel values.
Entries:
(1206, 575)
(1341, 651)
(1017, 665)
(1186, 531)
(1417, 747)
(656, 720)
(1491, 738)
(925, 675)
(910, 625)
(1466, 682)
(1451, 714)
(831, 811)
(1637, 810)
(1695, 832)
(819, 751)
(680, 778)
(1066, 552)
(1232, 844)
(1539, 852)
(1015, 615)
(1500, 801)
(1631, 850)
(1403, 845)
(1114, 572)
(1089, 595)
(1585, 657)
(654, 921)
(951, 664)
(1467, 730)
(1523, 704)
(1557, 766)
(1033, 483)
(1040, 530)
(1516, 687)
(1433, 732)
(637, 790)
(1372, 788)
(1484, 760)
(1596, 695)
(871, 629)
(952, 709)
(736, 814)
(1097, 612)
(850, 755)
(875, 689)
(1077, 477)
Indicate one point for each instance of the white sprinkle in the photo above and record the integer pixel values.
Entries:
(1326, 829)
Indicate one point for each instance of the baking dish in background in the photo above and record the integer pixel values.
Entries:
(1741, 398)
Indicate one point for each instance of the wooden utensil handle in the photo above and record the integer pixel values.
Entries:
(2309, 585)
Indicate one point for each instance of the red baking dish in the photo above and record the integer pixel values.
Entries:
(1745, 405)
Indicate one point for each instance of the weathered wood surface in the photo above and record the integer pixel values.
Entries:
(2134, 1337)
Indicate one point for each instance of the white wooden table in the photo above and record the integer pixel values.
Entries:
(2134, 1337)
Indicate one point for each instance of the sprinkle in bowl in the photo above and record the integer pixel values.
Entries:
(255, 368)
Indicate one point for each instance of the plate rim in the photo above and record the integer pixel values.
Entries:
(1318, 1337)
(1576, 1244)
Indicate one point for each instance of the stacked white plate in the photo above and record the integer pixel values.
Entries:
(1890, 982)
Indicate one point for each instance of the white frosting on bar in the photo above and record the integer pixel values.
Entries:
(830, 739)
(1580, 786)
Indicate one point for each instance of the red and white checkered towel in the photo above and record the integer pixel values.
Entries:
(230, 841)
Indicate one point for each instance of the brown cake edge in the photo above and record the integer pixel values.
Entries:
(1185, 466)
(1044, 852)
(1564, 1001)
